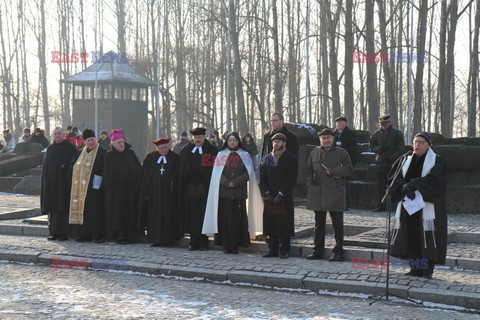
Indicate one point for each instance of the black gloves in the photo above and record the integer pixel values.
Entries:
(277, 199)
(268, 197)
(407, 191)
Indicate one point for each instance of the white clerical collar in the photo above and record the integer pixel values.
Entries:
(162, 158)
(200, 151)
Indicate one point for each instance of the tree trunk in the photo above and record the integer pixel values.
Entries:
(472, 106)
(421, 37)
(348, 94)
(372, 93)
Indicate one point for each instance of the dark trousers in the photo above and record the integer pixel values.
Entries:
(275, 243)
(319, 238)
(199, 241)
(382, 177)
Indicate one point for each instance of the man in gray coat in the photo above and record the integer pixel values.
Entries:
(326, 172)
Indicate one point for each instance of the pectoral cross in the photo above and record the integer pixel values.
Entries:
(162, 170)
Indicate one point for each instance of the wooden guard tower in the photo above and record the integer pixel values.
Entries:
(122, 99)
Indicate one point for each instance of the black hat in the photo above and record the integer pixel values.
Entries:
(37, 130)
(236, 136)
(184, 134)
(26, 130)
(69, 127)
(425, 136)
(279, 136)
(88, 133)
(326, 132)
(341, 119)
(199, 131)
(385, 118)
(75, 129)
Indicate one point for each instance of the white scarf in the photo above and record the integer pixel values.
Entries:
(254, 201)
(428, 212)
(162, 159)
(200, 151)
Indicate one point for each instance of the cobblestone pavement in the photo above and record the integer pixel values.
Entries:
(303, 218)
(33, 292)
(445, 278)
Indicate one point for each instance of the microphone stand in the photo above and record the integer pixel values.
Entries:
(387, 199)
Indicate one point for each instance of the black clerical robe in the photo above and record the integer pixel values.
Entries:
(121, 180)
(411, 240)
(158, 198)
(195, 174)
(55, 196)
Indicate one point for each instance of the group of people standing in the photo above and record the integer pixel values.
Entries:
(203, 189)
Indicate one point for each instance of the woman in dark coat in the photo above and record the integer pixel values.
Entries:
(158, 195)
(121, 180)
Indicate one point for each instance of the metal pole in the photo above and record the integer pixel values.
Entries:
(158, 76)
(410, 78)
(227, 98)
(307, 58)
(96, 69)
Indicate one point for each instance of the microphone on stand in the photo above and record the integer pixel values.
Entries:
(390, 187)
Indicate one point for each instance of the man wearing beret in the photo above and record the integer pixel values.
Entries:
(196, 165)
(87, 201)
(278, 175)
(158, 195)
(420, 236)
(328, 166)
(388, 145)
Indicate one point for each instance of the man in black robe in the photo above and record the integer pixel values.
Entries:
(158, 194)
(88, 224)
(278, 126)
(421, 236)
(54, 197)
(196, 167)
(278, 175)
(121, 178)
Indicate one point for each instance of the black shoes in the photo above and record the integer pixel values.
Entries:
(284, 255)
(59, 237)
(336, 257)
(414, 273)
(270, 254)
(314, 256)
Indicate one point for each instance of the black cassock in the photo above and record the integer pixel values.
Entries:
(121, 179)
(94, 209)
(279, 176)
(158, 198)
(55, 195)
(411, 242)
(195, 173)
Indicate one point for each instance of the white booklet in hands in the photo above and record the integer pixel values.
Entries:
(97, 182)
(414, 205)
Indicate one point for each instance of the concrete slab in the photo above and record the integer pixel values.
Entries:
(8, 213)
